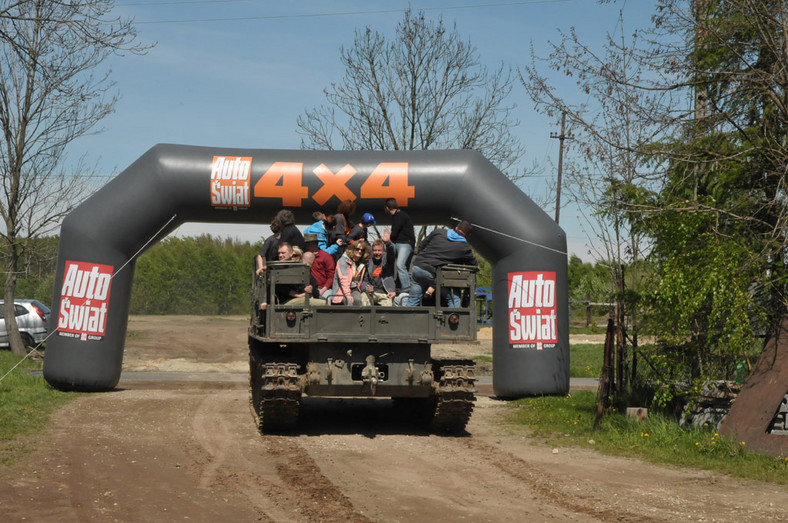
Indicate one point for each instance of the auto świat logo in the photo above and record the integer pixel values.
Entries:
(532, 310)
(230, 182)
(84, 300)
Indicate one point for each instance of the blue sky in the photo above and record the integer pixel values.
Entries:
(238, 73)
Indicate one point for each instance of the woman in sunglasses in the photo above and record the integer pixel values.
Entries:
(349, 275)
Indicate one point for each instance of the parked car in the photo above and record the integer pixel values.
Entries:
(31, 317)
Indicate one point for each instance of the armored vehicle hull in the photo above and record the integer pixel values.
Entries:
(307, 347)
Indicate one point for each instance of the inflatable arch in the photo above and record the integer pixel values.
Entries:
(173, 184)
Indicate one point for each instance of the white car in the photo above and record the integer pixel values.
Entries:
(31, 317)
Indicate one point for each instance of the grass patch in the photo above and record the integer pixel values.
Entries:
(26, 405)
(569, 420)
(585, 360)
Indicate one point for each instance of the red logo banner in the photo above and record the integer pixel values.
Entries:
(84, 300)
(532, 310)
(230, 181)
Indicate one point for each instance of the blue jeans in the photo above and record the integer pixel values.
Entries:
(420, 280)
(403, 253)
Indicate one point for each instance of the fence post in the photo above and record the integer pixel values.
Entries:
(588, 309)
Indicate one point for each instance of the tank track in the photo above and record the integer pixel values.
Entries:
(455, 397)
(275, 396)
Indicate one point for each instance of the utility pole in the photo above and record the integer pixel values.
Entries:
(561, 137)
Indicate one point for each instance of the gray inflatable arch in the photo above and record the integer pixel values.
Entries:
(173, 184)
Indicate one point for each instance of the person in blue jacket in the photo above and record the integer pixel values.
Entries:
(323, 228)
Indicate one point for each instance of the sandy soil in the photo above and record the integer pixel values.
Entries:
(165, 450)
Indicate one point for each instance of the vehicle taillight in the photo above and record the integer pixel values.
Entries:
(39, 312)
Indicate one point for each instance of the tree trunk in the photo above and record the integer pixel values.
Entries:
(9, 291)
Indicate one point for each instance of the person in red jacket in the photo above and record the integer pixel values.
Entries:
(323, 267)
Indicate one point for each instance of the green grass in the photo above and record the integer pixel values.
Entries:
(585, 360)
(26, 404)
(569, 420)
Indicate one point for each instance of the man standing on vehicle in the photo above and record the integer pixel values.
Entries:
(404, 238)
(440, 248)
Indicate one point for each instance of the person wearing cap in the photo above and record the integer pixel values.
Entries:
(360, 231)
(404, 239)
(440, 248)
(323, 267)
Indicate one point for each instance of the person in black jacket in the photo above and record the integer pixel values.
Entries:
(441, 247)
(290, 233)
(404, 238)
(268, 252)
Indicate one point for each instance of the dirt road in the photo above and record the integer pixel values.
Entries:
(188, 450)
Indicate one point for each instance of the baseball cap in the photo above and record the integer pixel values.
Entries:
(310, 237)
(368, 219)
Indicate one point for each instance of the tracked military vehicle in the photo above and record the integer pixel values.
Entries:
(316, 349)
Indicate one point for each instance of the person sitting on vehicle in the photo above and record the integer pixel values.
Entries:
(323, 267)
(360, 231)
(299, 296)
(324, 229)
(349, 276)
(343, 226)
(440, 248)
(285, 292)
(268, 252)
(290, 232)
(379, 279)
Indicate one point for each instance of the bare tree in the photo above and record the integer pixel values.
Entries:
(51, 92)
(423, 89)
(604, 171)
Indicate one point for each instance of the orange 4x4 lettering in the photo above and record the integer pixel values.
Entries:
(333, 184)
(285, 180)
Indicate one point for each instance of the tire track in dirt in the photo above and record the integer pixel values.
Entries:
(279, 478)
(317, 498)
(549, 486)
(212, 436)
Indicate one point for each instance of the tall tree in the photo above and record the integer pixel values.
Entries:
(51, 92)
(422, 89)
(722, 209)
(710, 95)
